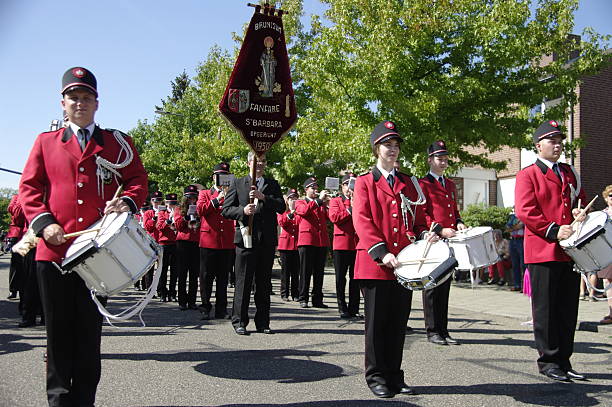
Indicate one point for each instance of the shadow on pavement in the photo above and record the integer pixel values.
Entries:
(335, 403)
(542, 394)
(279, 365)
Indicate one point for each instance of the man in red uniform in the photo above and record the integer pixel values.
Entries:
(441, 209)
(166, 232)
(149, 220)
(67, 184)
(313, 241)
(15, 232)
(187, 224)
(345, 241)
(216, 244)
(287, 249)
(545, 194)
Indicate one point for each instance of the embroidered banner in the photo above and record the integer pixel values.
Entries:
(258, 100)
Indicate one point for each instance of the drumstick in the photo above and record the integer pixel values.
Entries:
(586, 208)
(117, 192)
(427, 247)
(579, 202)
(80, 232)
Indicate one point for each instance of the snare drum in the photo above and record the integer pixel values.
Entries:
(418, 273)
(591, 244)
(113, 258)
(474, 248)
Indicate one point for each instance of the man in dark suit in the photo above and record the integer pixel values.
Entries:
(254, 260)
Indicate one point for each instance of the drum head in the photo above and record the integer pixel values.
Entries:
(410, 257)
(470, 233)
(112, 223)
(594, 222)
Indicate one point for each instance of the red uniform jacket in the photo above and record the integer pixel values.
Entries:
(312, 216)
(441, 206)
(289, 231)
(165, 228)
(148, 222)
(18, 222)
(59, 184)
(184, 232)
(543, 203)
(379, 223)
(216, 232)
(344, 231)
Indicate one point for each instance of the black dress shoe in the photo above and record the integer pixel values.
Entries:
(266, 331)
(437, 339)
(12, 296)
(27, 323)
(240, 330)
(556, 374)
(382, 391)
(319, 305)
(345, 315)
(451, 341)
(574, 375)
(402, 388)
(183, 307)
(304, 304)
(205, 315)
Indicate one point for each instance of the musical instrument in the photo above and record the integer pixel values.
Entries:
(119, 254)
(591, 244)
(474, 248)
(422, 267)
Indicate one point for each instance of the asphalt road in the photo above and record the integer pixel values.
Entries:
(313, 360)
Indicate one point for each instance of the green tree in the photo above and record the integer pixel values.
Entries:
(5, 199)
(465, 71)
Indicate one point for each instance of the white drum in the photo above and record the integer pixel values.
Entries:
(474, 248)
(418, 272)
(591, 244)
(113, 258)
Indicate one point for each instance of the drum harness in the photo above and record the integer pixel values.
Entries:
(407, 205)
(104, 167)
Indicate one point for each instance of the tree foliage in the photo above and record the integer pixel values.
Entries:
(466, 71)
(481, 215)
(5, 199)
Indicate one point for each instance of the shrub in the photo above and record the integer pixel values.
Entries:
(481, 215)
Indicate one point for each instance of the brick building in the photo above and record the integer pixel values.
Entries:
(590, 119)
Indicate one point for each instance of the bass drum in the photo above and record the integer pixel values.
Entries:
(418, 272)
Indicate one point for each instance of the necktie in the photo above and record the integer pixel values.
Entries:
(556, 171)
(441, 179)
(83, 138)
(390, 180)
(260, 183)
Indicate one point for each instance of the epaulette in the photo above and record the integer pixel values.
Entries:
(365, 173)
(119, 131)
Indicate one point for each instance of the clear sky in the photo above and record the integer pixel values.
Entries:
(134, 47)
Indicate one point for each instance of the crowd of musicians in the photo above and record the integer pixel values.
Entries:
(66, 186)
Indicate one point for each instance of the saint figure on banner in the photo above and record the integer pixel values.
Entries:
(268, 66)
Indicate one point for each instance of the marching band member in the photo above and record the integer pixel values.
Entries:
(66, 185)
(254, 262)
(313, 241)
(216, 244)
(149, 220)
(344, 244)
(15, 232)
(287, 248)
(441, 208)
(384, 229)
(167, 239)
(187, 224)
(545, 194)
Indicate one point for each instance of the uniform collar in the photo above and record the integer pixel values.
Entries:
(93, 130)
(384, 173)
(435, 176)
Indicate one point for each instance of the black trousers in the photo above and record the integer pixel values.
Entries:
(253, 265)
(168, 262)
(435, 309)
(290, 274)
(215, 264)
(554, 303)
(30, 294)
(312, 264)
(74, 329)
(16, 273)
(344, 261)
(188, 265)
(387, 308)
